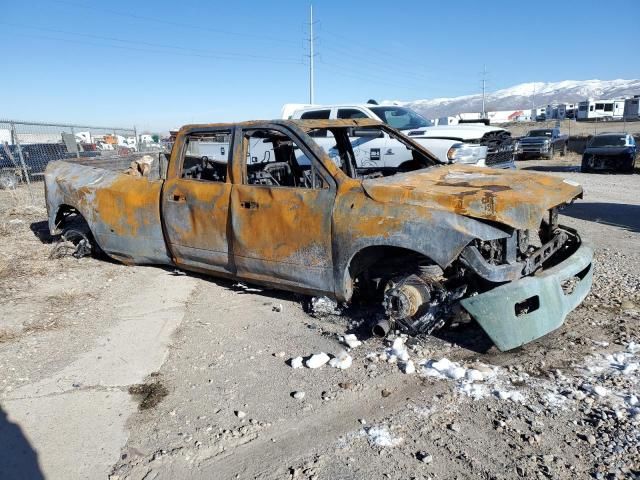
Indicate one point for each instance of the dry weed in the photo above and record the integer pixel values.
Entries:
(5, 230)
(7, 335)
(28, 328)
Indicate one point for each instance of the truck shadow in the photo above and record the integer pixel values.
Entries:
(18, 459)
(619, 215)
(41, 231)
(469, 336)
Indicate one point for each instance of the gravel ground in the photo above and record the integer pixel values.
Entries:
(226, 402)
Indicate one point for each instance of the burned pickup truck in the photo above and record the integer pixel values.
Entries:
(278, 210)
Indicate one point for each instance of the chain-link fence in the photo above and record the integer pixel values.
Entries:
(577, 128)
(27, 147)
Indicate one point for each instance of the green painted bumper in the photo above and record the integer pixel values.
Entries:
(495, 310)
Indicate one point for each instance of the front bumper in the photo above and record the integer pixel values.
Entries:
(608, 162)
(534, 148)
(500, 311)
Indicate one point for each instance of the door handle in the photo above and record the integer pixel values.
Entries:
(178, 198)
(249, 205)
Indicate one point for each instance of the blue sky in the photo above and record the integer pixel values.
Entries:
(159, 64)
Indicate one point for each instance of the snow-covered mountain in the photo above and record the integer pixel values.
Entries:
(521, 96)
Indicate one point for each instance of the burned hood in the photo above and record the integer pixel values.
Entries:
(513, 198)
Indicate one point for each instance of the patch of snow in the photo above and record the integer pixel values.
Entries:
(317, 360)
(342, 361)
(600, 391)
(381, 437)
(296, 362)
(350, 340)
(512, 395)
(408, 367)
(474, 390)
(324, 306)
(474, 375)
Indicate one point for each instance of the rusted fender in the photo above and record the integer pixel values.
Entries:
(360, 222)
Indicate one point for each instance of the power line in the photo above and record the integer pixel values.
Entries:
(146, 50)
(346, 72)
(368, 49)
(177, 24)
(225, 55)
(380, 65)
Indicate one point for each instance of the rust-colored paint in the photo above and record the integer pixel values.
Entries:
(517, 199)
(128, 205)
(298, 238)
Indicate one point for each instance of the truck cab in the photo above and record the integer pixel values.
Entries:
(470, 144)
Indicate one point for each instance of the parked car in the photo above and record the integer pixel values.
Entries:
(427, 239)
(470, 144)
(610, 151)
(543, 142)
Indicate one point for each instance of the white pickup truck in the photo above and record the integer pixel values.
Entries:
(471, 143)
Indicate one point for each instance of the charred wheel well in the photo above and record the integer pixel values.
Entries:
(64, 214)
(382, 262)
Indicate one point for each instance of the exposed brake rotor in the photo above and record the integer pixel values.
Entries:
(418, 302)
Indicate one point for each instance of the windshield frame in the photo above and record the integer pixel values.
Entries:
(348, 163)
(415, 119)
(622, 138)
(541, 133)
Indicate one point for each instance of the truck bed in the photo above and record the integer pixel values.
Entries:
(123, 163)
(120, 206)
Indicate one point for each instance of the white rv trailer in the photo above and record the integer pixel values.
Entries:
(600, 110)
(567, 110)
(632, 108)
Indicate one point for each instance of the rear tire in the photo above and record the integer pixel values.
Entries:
(563, 153)
(585, 168)
(631, 167)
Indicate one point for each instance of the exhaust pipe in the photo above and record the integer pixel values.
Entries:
(381, 329)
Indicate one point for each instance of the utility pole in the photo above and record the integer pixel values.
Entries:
(484, 88)
(311, 56)
(534, 112)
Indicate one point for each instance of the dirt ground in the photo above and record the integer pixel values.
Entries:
(145, 373)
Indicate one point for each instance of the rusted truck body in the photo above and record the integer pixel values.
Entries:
(281, 211)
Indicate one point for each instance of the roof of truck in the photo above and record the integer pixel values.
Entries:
(304, 124)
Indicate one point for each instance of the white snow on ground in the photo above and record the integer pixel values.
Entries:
(324, 306)
(381, 437)
(350, 340)
(476, 381)
(296, 362)
(317, 360)
(624, 365)
(342, 361)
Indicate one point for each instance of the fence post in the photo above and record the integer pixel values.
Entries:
(25, 173)
(73, 132)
